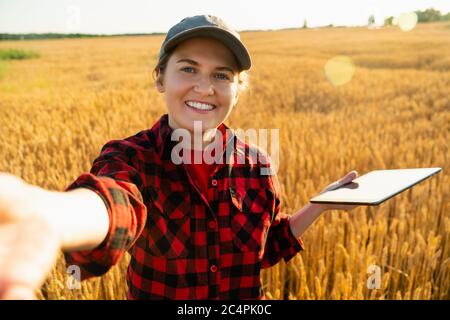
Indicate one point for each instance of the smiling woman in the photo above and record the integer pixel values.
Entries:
(194, 231)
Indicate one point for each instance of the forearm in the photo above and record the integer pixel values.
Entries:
(79, 216)
(302, 219)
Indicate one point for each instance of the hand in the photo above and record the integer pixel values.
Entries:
(344, 180)
(29, 245)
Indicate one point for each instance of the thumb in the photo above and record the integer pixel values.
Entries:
(344, 180)
(349, 177)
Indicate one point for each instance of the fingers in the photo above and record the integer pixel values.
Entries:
(353, 174)
(28, 250)
(18, 292)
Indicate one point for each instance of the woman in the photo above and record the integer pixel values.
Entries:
(195, 229)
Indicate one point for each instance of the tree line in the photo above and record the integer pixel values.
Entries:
(428, 15)
(39, 36)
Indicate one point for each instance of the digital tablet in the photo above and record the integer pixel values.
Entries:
(376, 186)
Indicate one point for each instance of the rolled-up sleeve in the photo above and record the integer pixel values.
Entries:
(117, 181)
(281, 242)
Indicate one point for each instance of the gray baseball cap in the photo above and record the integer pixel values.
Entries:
(208, 26)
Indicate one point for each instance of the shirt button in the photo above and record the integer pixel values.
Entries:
(214, 182)
(212, 224)
(213, 268)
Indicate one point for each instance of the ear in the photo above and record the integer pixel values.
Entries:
(159, 82)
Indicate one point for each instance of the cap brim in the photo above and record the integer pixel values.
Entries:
(227, 38)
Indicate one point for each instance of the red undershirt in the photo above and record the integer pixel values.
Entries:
(200, 173)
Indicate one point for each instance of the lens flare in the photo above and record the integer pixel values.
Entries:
(407, 21)
(339, 70)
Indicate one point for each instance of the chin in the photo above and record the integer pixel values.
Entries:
(206, 124)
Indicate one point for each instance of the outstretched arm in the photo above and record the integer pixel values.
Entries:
(35, 224)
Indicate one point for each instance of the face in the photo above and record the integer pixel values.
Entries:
(200, 83)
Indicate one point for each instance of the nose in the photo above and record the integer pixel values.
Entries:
(204, 87)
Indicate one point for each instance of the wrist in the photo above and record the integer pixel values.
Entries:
(79, 217)
(302, 219)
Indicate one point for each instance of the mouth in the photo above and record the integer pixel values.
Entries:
(201, 107)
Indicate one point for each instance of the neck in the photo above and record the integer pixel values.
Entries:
(200, 143)
(199, 138)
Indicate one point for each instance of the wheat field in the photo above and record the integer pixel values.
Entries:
(58, 110)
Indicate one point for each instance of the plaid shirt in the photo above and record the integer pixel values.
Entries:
(183, 246)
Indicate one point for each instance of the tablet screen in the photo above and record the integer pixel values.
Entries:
(376, 186)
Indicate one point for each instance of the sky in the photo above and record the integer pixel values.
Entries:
(147, 16)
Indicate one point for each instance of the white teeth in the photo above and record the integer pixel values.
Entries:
(200, 106)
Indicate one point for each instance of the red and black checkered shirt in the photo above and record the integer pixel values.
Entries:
(183, 244)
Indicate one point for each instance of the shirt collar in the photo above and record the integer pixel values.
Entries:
(164, 144)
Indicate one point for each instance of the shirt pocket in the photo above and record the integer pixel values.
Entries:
(250, 218)
(169, 224)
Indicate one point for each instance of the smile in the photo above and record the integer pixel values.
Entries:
(200, 106)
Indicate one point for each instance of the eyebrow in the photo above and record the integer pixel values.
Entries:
(195, 63)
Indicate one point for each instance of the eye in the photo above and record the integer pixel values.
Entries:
(222, 76)
(188, 69)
